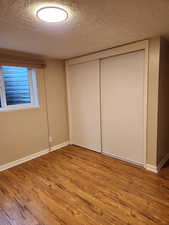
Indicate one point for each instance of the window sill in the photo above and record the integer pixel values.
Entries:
(14, 108)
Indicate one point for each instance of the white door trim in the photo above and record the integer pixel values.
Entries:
(120, 50)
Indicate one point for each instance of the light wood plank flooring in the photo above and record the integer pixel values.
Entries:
(75, 186)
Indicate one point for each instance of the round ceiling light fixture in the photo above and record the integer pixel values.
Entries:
(52, 14)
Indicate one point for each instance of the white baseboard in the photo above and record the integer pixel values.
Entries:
(156, 169)
(56, 147)
(32, 156)
(151, 168)
(24, 159)
(163, 161)
(123, 159)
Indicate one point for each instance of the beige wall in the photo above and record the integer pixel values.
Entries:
(152, 101)
(158, 109)
(24, 132)
(163, 105)
(56, 101)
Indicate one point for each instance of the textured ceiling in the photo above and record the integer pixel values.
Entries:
(92, 25)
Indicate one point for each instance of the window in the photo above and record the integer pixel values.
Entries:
(18, 88)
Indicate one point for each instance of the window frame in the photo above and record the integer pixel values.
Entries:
(33, 93)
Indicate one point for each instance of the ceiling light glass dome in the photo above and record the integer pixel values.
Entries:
(52, 14)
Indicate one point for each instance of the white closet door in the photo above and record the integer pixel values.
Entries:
(122, 105)
(84, 105)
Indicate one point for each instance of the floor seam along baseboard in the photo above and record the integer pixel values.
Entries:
(32, 156)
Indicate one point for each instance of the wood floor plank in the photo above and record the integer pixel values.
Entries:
(75, 186)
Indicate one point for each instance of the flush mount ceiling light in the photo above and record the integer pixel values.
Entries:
(52, 14)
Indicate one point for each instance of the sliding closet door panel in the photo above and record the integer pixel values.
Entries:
(84, 103)
(122, 103)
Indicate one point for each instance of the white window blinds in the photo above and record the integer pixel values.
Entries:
(17, 87)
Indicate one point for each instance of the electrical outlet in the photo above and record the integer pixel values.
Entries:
(50, 139)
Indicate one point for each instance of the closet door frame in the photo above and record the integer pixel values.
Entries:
(132, 47)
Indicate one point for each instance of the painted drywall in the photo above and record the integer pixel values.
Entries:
(56, 101)
(25, 132)
(163, 103)
(152, 101)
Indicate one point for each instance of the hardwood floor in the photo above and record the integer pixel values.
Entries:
(75, 186)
